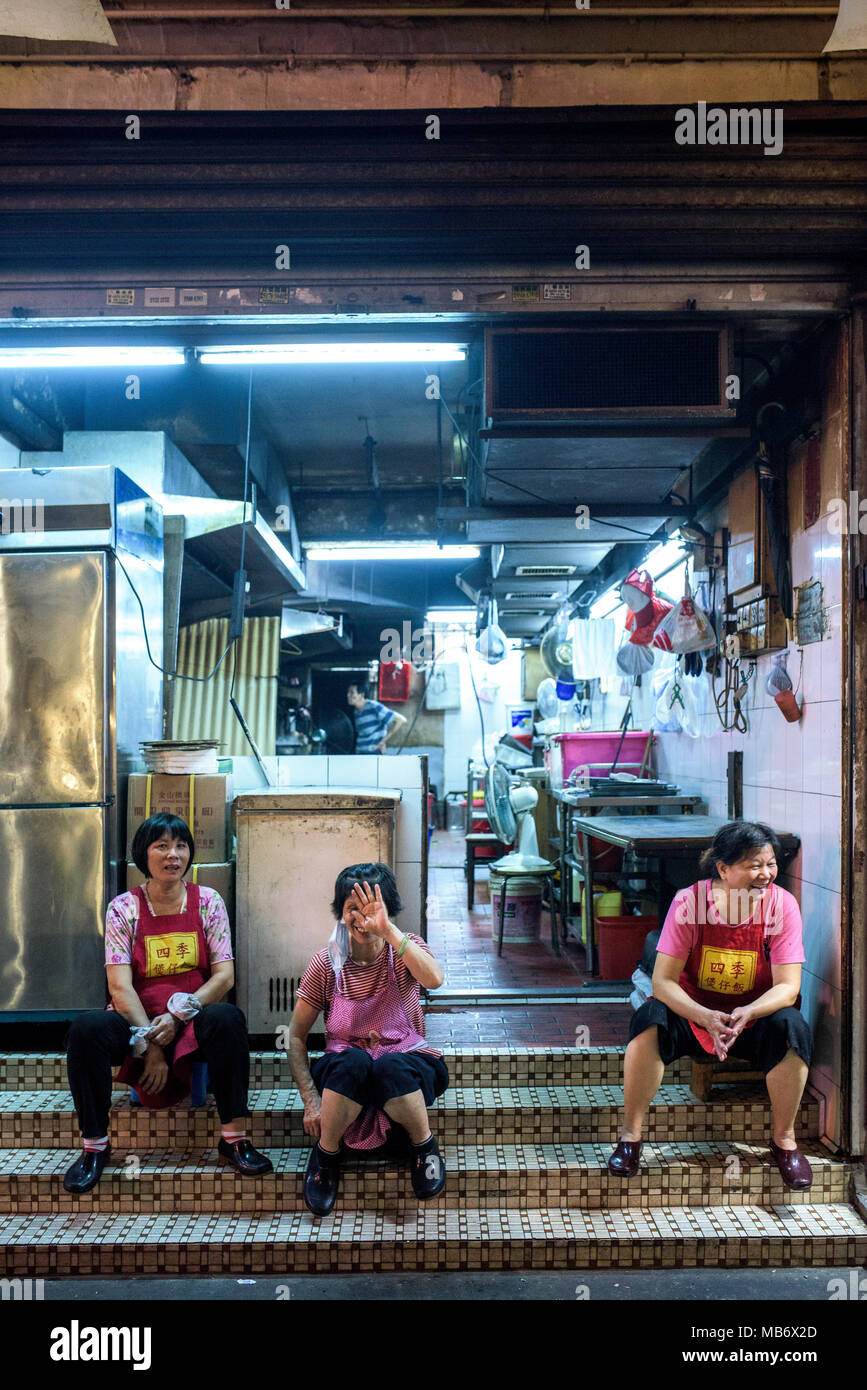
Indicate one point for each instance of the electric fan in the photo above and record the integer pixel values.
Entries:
(556, 654)
(508, 808)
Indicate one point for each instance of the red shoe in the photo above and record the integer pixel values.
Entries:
(624, 1161)
(794, 1168)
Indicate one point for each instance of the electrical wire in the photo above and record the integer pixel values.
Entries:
(178, 675)
(243, 519)
(445, 652)
(171, 675)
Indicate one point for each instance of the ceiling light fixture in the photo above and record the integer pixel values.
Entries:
(399, 550)
(464, 617)
(315, 354)
(105, 356)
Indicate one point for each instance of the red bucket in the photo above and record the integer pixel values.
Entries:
(621, 944)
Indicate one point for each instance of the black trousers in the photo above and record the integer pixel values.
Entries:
(354, 1074)
(99, 1040)
(764, 1044)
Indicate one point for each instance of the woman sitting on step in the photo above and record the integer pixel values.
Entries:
(169, 964)
(726, 983)
(377, 1067)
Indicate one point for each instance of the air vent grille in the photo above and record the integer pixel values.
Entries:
(560, 374)
(544, 571)
(529, 597)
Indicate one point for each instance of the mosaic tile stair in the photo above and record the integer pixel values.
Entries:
(508, 1177)
(588, 1066)
(480, 1115)
(431, 1239)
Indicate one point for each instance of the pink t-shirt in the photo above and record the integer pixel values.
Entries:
(780, 912)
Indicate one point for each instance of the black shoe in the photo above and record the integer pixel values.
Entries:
(245, 1158)
(86, 1171)
(624, 1162)
(427, 1170)
(321, 1181)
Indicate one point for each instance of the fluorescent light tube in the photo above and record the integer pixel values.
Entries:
(92, 357)
(466, 617)
(324, 354)
(425, 550)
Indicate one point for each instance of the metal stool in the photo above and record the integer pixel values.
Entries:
(508, 872)
(474, 842)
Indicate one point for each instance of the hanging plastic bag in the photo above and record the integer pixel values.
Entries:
(646, 611)
(633, 661)
(687, 626)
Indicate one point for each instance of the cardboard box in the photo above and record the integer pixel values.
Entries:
(218, 876)
(171, 792)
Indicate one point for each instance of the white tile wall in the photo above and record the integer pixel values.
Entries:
(820, 911)
(792, 772)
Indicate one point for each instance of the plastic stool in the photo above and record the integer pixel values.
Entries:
(198, 1088)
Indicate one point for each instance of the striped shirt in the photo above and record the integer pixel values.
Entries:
(362, 981)
(370, 725)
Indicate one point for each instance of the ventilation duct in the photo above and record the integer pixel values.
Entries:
(673, 373)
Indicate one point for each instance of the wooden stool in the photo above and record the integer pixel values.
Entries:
(473, 842)
(704, 1073)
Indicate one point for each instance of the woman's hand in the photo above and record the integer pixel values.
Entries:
(156, 1070)
(739, 1018)
(313, 1117)
(372, 909)
(164, 1029)
(721, 1033)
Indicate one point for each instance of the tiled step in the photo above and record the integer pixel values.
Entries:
(478, 1115)
(521, 1177)
(516, 1066)
(431, 1238)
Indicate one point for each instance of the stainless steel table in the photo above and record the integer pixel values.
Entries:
(658, 837)
(569, 800)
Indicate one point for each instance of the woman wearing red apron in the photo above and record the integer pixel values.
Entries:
(726, 983)
(169, 967)
(377, 1067)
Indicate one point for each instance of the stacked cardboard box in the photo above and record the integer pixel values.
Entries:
(214, 865)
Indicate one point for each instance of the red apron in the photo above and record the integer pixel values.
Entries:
(379, 1025)
(170, 953)
(728, 965)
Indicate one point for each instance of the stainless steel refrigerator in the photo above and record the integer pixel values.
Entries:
(77, 694)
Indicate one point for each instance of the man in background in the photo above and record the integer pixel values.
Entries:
(373, 722)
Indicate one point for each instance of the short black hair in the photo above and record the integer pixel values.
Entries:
(154, 828)
(734, 841)
(361, 685)
(371, 874)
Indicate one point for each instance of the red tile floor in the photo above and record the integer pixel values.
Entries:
(463, 943)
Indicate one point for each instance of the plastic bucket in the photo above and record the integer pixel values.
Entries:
(621, 944)
(522, 920)
(607, 903)
(456, 806)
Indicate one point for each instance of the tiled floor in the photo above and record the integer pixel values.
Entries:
(463, 943)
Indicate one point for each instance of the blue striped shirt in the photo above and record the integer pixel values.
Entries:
(370, 725)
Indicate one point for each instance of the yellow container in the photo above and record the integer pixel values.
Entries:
(608, 903)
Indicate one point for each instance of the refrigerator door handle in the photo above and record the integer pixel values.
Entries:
(54, 805)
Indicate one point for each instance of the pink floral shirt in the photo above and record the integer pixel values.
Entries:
(121, 924)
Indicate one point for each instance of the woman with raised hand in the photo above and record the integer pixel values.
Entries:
(372, 1087)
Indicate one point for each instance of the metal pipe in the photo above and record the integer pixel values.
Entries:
(481, 12)
(161, 60)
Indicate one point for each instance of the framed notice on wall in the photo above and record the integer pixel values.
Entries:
(810, 617)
